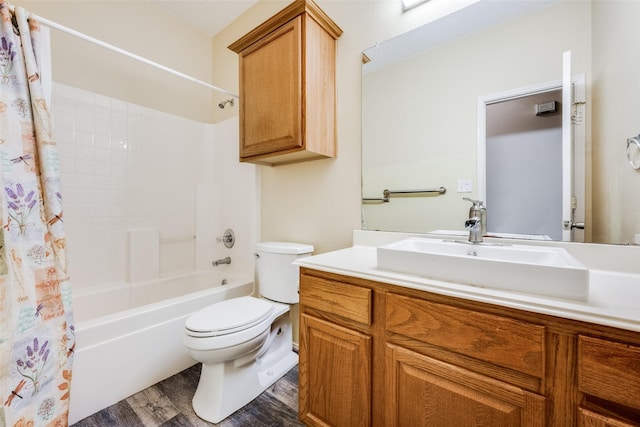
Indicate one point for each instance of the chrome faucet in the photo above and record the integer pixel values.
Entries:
(474, 227)
(477, 222)
(218, 262)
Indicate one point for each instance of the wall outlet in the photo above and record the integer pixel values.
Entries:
(465, 186)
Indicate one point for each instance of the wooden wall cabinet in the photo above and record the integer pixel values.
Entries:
(287, 69)
(374, 354)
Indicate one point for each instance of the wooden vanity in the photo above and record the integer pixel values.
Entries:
(378, 354)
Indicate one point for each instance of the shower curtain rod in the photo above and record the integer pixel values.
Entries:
(116, 49)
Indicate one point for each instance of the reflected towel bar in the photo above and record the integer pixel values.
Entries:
(386, 194)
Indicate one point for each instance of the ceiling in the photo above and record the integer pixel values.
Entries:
(208, 16)
(454, 25)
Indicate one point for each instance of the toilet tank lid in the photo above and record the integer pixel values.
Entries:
(284, 247)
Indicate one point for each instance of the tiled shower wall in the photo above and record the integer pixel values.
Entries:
(125, 167)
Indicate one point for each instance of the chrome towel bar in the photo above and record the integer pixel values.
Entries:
(386, 194)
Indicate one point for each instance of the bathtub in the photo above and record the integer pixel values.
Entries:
(129, 336)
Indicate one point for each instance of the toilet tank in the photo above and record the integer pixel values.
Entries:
(278, 278)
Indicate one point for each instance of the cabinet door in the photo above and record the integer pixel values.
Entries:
(271, 85)
(335, 374)
(609, 370)
(427, 392)
(587, 418)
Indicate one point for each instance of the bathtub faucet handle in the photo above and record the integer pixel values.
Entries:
(218, 262)
(228, 238)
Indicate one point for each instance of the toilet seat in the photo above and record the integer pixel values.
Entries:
(228, 317)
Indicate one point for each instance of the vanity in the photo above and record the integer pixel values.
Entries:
(402, 332)
(385, 348)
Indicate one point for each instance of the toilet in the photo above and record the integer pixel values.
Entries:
(245, 343)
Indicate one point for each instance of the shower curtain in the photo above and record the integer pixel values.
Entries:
(36, 321)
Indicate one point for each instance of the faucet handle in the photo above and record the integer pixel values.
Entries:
(475, 202)
(472, 223)
(228, 238)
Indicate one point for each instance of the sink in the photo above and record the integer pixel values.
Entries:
(540, 270)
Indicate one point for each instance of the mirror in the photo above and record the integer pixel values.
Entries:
(420, 107)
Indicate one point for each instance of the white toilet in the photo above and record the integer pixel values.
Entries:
(245, 343)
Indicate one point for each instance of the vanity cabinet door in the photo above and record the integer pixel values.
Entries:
(588, 418)
(609, 370)
(609, 378)
(423, 391)
(335, 374)
(498, 340)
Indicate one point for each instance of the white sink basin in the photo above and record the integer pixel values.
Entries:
(540, 270)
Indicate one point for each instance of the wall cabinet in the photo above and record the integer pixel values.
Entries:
(375, 354)
(288, 87)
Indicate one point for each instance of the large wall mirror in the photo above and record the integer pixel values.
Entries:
(420, 109)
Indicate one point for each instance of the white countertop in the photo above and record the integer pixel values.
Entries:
(614, 297)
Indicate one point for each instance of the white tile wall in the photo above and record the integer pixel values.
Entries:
(125, 166)
(229, 200)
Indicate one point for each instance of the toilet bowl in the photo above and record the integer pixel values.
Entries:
(245, 344)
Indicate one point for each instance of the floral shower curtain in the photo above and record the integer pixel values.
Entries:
(36, 321)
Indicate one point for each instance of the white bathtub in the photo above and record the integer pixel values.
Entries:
(129, 336)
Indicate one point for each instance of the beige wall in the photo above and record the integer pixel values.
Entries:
(421, 113)
(318, 202)
(142, 29)
(616, 117)
(315, 202)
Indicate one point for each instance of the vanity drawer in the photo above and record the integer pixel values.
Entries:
(499, 340)
(609, 370)
(342, 299)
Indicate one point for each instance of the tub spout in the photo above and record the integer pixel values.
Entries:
(217, 262)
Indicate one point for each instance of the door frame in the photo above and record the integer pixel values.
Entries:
(579, 142)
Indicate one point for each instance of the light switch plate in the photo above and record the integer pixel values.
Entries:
(465, 186)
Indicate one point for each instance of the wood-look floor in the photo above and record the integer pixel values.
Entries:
(168, 404)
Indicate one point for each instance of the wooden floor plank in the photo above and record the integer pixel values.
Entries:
(268, 411)
(152, 406)
(120, 414)
(168, 404)
(180, 389)
(178, 421)
(286, 390)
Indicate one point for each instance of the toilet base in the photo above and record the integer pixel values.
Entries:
(226, 387)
